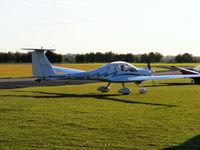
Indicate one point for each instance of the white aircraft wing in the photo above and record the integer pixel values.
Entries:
(185, 71)
(144, 78)
(66, 70)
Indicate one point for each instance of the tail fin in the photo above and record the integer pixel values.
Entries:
(41, 66)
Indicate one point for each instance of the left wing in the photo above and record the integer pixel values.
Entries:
(144, 78)
(185, 71)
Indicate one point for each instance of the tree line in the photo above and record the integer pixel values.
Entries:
(141, 58)
(110, 56)
(98, 57)
(18, 57)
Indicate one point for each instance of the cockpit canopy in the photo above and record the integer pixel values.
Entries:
(123, 66)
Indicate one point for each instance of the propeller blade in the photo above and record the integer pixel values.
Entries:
(149, 65)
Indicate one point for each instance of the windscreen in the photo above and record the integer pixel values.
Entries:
(127, 67)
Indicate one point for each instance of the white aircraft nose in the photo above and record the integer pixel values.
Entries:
(152, 71)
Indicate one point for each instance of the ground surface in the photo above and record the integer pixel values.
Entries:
(79, 117)
(30, 82)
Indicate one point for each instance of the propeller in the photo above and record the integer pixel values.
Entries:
(149, 67)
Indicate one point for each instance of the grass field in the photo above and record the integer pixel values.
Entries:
(25, 70)
(79, 117)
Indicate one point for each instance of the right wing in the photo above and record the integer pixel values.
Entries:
(144, 78)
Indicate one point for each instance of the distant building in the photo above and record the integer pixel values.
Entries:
(169, 59)
(70, 58)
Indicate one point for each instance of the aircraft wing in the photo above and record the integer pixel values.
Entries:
(185, 71)
(144, 78)
(66, 70)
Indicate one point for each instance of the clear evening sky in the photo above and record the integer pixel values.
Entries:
(79, 26)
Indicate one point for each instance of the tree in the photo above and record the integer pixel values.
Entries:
(187, 57)
(129, 57)
(158, 57)
(80, 58)
(154, 57)
(151, 57)
(178, 58)
(144, 58)
(109, 57)
(98, 57)
(184, 58)
(53, 57)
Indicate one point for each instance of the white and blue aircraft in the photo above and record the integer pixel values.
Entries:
(115, 72)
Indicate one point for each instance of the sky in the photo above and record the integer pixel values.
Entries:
(170, 27)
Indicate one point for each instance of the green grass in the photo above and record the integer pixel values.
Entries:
(79, 117)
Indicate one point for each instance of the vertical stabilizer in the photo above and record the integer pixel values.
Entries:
(41, 66)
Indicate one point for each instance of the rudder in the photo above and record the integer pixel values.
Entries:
(41, 66)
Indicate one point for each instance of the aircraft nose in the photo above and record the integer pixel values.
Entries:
(152, 71)
(146, 72)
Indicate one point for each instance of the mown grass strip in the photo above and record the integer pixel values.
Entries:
(79, 117)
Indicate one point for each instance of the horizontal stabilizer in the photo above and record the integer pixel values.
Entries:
(38, 49)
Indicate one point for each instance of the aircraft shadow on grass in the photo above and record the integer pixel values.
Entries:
(169, 84)
(191, 144)
(24, 84)
(97, 96)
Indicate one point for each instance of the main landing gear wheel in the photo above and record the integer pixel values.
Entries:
(142, 89)
(104, 88)
(124, 90)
